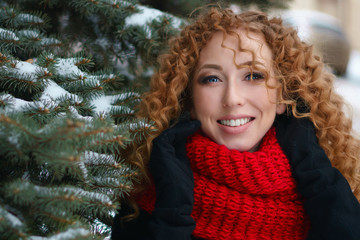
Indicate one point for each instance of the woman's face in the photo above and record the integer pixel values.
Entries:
(234, 111)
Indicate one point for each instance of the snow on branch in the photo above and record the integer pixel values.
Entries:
(12, 219)
(147, 15)
(71, 233)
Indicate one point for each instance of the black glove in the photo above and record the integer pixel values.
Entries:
(174, 182)
(332, 208)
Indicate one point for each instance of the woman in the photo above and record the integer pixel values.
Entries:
(246, 162)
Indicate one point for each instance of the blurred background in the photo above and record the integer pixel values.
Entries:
(333, 27)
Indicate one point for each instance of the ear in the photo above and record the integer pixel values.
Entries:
(280, 108)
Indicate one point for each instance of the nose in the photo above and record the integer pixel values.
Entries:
(234, 95)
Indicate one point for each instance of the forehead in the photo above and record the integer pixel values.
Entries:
(237, 42)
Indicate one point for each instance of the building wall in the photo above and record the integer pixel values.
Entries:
(346, 11)
(352, 22)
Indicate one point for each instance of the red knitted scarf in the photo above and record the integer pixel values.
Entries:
(242, 195)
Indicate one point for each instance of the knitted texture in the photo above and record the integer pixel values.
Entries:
(242, 195)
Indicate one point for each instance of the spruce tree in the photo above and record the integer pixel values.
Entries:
(71, 72)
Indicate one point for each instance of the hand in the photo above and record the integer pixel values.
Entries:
(333, 210)
(174, 183)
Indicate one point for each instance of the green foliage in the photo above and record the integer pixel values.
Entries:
(186, 7)
(101, 29)
(65, 119)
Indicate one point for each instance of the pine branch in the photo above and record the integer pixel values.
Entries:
(13, 18)
(11, 227)
(6, 100)
(22, 82)
(64, 119)
(107, 7)
(110, 81)
(9, 121)
(106, 165)
(9, 39)
(83, 107)
(47, 60)
(5, 57)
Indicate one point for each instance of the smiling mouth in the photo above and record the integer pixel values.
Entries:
(235, 122)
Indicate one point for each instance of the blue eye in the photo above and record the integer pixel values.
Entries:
(210, 79)
(254, 76)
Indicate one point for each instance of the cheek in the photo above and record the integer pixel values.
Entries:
(200, 108)
(201, 105)
(266, 102)
(205, 102)
(271, 96)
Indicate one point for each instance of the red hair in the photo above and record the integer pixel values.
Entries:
(305, 86)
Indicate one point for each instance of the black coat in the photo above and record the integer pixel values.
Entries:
(333, 210)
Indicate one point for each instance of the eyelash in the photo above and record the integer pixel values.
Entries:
(255, 76)
(207, 79)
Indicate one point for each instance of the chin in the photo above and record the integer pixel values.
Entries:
(242, 148)
(237, 145)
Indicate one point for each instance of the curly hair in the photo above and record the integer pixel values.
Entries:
(306, 87)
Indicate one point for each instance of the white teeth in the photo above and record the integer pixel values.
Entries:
(235, 122)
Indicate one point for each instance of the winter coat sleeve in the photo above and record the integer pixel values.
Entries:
(332, 208)
(136, 229)
(174, 183)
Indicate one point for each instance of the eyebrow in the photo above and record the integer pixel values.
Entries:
(250, 63)
(218, 67)
(214, 66)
